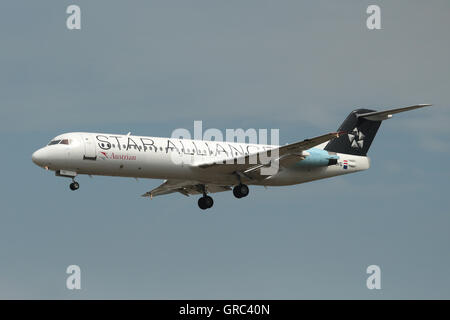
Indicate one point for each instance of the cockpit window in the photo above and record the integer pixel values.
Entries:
(54, 142)
(63, 141)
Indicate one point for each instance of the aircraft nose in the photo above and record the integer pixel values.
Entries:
(39, 157)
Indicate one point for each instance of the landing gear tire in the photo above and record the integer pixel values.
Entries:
(74, 186)
(205, 202)
(240, 191)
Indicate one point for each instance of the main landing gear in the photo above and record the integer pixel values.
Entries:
(240, 191)
(206, 201)
(74, 185)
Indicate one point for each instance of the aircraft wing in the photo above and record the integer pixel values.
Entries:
(248, 165)
(185, 187)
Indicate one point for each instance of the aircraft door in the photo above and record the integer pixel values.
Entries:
(89, 147)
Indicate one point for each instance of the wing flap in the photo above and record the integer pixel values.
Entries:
(185, 187)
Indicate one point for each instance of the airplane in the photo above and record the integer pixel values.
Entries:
(199, 167)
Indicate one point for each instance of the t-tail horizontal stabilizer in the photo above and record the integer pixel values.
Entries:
(362, 126)
(387, 114)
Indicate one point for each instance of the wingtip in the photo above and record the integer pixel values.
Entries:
(147, 195)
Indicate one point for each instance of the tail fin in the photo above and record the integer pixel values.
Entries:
(361, 126)
(359, 137)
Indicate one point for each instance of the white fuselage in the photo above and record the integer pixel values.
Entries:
(170, 158)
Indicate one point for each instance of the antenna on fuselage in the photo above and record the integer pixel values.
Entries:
(128, 134)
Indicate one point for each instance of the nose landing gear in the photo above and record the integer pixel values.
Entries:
(74, 185)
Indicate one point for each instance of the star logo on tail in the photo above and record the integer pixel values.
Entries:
(356, 138)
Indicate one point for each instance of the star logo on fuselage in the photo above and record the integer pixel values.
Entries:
(356, 138)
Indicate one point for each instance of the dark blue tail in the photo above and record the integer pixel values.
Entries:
(359, 137)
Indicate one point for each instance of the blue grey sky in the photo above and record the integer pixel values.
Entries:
(153, 66)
